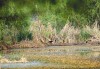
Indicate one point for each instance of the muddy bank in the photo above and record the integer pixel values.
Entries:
(31, 44)
(23, 44)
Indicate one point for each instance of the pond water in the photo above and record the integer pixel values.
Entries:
(20, 65)
(53, 56)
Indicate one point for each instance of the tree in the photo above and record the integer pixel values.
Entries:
(87, 9)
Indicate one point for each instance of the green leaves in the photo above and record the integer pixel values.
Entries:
(84, 35)
(14, 18)
(17, 14)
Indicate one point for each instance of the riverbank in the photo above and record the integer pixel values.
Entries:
(43, 36)
(30, 44)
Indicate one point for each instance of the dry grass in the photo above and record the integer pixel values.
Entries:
(52, 68)
(76, 62)
(68, 34)
(43, 68)
(94, 31)
(47, 35)
(43, 34)
(22, 60)
(62, 61)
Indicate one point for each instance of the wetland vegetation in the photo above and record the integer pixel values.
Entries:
(49, 34)
(53, 57)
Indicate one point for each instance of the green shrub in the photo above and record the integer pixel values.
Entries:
(84, 35)
(24, 36)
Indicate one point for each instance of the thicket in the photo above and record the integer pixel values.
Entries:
(16, 16)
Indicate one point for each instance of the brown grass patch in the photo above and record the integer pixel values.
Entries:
(78, 62)
(22, 60)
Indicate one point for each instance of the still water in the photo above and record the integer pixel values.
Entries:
(53, 56)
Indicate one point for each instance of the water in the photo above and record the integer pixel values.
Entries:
(21, 65)
(33, 56)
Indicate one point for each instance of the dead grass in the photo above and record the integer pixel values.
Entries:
(76, 62)
(44, 34)
(47, 35)
(62, 61)
(68, 34)
(22, 60)
(94, 31)
(42, 68)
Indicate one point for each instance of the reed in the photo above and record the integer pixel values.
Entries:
(42, 34)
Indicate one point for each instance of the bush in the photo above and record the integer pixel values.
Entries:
(24, 36)
(84, 35)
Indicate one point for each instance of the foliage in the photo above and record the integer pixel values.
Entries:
(84, 35)
(89, 9)
(16, 16)
(23, 36)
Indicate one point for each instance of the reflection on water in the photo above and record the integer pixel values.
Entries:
(89, 53)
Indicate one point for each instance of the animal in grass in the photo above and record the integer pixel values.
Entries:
(50, 41)
(93, 40)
